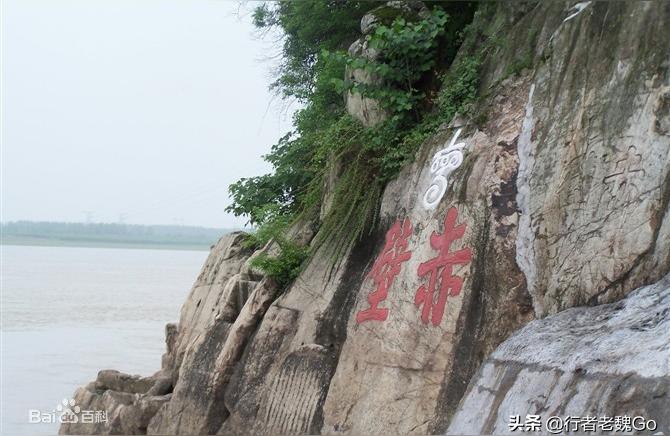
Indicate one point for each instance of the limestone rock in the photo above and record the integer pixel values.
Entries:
(126, 413)
(118, 381)
(218, 294)
(196, 404)
(594, 175)
(608, 360)
(402, 375)
(367, 110)
(558, 198)
(410, 370)
(223, 278)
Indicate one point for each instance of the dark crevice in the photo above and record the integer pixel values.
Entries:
(331, 330)
(468, 355)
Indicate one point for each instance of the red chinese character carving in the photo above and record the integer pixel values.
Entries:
(440, 270)
(386, 268)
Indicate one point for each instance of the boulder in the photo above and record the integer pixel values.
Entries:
(604, 361)
(118, 381)
(367, 110)
(124, 413)
(553, 201)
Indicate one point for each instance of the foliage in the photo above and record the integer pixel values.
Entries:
(308, 27)
(355, 201)
(460, 88)
(408, 50)
(299, 164)
(275, 225)
(284, 267)
(412, 52)
(262, 198)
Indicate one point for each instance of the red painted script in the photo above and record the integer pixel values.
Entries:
(440, 269)
(385, 269)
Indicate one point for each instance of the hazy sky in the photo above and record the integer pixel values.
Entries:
(137, 110)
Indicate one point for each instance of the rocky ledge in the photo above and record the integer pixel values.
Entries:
(541, 218)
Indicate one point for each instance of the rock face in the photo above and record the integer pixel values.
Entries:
(215, 300)
(594, 164)
(128, 401)
(610, 360)
(367, 110)
(558, 199)
(370, 111)
(219, 292)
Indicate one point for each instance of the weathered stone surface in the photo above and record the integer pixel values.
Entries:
(118, 381)
(197, 403)
(367, 110)
(222, 282)
(370, 111)
(190, 409)
(558, 199)
(411, 373)
(162, 386)
(216, 299)
(126, 413)
(401, 375)
(197, 400)
(308, 322)
(594, 177)
(609, 360)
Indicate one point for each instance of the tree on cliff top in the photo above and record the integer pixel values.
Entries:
(308, 27)
(315, 36)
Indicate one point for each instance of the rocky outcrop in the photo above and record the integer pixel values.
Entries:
(604, 361)
(131, 402)
(556, 199)
(128, 401)
(370, 111)
(594, 167)
(367, 110)
(219, 292)
(195, 407)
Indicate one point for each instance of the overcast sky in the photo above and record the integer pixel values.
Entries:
(142, 111)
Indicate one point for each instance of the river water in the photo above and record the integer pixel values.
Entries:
(69, 312)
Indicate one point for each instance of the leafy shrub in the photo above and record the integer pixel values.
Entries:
(286, 266)
(408, 51)
(275, 226)
(314, 59)
(306, 28)
(460, 87)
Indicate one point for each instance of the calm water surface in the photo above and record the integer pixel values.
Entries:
(69, 312)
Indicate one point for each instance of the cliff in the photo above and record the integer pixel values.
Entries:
(520, 265)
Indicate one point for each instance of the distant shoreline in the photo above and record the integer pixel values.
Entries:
(110, 235)
(51, 242)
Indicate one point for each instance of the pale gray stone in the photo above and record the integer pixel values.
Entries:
(608, 360)
(563, 190)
